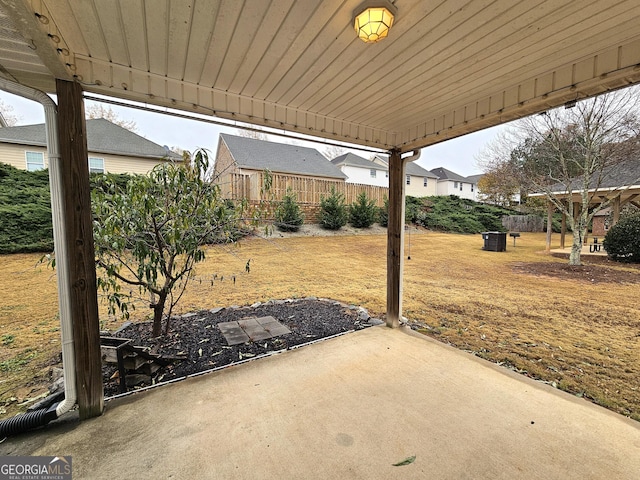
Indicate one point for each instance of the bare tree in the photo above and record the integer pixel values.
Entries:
(8, 114)
(333, 151)
(97, 110)
(568, 153)
(255, 134)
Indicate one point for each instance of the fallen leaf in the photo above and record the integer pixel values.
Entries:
(406, 461)
(199, 352)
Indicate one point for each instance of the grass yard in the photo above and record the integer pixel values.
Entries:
(576, 329)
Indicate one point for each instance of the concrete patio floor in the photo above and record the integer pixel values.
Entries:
(349, 407)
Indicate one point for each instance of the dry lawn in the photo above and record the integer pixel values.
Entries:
(576, 332)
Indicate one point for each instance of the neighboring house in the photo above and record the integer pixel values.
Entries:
(450, 183)
(473, 181)
(419, 182)
(248, 156)
(111, 148)
(362, 171)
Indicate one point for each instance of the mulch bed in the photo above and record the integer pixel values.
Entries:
(197, 338)
(588, 272)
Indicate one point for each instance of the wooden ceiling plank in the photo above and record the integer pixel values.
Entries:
(157, 22)
(272, 60)
(89, 26)
(132, 15)
(112, 30)
(225, 22)
(252, 19)
(178, 36)
(301, 45)
(264, 37)
(202, 24)
(64, 18)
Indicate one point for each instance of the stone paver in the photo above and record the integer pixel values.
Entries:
(252, 329)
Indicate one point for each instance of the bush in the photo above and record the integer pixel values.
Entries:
(622, 241)
(333, 211)
(363, 212)
(25, 210)
(383, 214)
(288, 216)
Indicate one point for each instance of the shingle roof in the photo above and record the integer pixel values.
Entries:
(353, 160)
(624, 174)
(417, 171)
(102, 137)
(444, 174)
(412, 168)
(475, 178)
(279, 157)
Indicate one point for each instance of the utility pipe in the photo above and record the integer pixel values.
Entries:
(41, 417)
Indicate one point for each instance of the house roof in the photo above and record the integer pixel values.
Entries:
(279, 157)
(102, 137)
(417, 171)
(444, 174)
(411, 168)
(353, 160)
(475, 178)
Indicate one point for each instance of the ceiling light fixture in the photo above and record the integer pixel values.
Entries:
(373, 19)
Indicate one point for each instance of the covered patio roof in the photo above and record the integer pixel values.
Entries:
(448, 67)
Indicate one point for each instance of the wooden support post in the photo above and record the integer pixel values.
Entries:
(616, 210)
(550, 209)
(395, 239)
(76, 195)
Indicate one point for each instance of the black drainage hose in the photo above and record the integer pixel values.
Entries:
(27, 421)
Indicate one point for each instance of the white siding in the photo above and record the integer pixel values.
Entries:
(363, 176)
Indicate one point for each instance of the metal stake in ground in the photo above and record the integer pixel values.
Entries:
(409, 248)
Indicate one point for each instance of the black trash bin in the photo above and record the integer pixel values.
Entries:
(495, 241)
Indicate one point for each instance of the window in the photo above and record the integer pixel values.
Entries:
(455, 184)
(35, 161)
(460, 186)
(372, 173)
(408, 179)
(96, 165)
(472, 187)
(425, 182)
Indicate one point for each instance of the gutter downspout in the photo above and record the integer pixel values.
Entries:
(41, 417)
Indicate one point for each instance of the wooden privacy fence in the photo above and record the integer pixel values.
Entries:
(523, 223)
(308, 190)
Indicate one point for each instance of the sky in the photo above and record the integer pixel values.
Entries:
(457, 155)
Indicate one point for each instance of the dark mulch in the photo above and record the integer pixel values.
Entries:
(592, 271)
(197, 336)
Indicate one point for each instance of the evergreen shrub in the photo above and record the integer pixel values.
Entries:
(622, 241)
(333, 211)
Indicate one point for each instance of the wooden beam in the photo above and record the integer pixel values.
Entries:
(395, 239)
(550, 209)
(76, 195)
(630, 199)
(616, 210)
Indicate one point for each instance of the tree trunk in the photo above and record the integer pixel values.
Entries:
(158, 309)
(576, 248)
